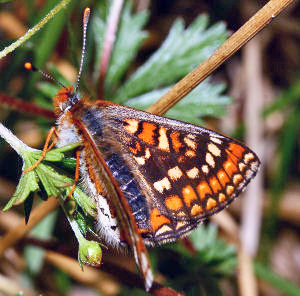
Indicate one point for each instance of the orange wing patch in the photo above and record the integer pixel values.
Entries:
(214, 184)
(223, 178)
(189, 195)
(222, 197)
(135, 150)
(211, 203)
(157, 219)
(173, 202)
(196, 210)
(203, 189)
(236, 150)
(176, 144)
(147, 133)
(190, 153)
(229, 168)
(229, 189)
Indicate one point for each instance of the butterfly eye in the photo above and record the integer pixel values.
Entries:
(73, 100)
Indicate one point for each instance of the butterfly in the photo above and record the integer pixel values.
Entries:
(153, 179)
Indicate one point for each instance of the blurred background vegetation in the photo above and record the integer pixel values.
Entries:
(254, 97)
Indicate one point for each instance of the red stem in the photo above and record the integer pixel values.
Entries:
(26, 107)
(109, 40)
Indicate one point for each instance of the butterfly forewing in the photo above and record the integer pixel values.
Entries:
(177, 173)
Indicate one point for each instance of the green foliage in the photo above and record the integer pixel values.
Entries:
(62, 281)
(52, 182)
(205, 100)
(199, 273)
(182, 50)
(286, 287)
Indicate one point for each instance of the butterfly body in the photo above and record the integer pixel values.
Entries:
(153, 179)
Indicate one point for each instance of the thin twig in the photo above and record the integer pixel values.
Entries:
(226, 50)
(108, 43)
(246, 278)
(34, 29)
(252, 201)
(23, 106)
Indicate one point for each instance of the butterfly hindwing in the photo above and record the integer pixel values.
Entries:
(182, 173)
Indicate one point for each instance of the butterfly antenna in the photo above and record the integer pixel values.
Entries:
(28, 66)
(86, 16)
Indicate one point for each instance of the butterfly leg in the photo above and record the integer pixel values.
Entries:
(76, 178)
(47, 147)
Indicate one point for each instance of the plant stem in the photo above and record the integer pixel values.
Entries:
(225, 51)
(33, 30)
(109, 40)
(13, 141)
(23, 106)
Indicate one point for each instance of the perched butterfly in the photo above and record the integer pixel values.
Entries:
(153, 179)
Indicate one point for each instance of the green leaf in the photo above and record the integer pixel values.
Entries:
(27, 184)
(50, 156)
(204, 100)
(52, 182)
(178, 55)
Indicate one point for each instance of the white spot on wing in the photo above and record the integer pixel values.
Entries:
(205, 169)
(162, 185)
(175, 173)
(140, 160)
(190, 143)
(163, 142)
(132, 126)
(216, 140)
(248, 157)
(163, 229)
(210, 160)
(193, 173)
(214, 149)
(147, 153)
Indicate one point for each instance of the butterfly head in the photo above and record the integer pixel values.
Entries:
(65, 99)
